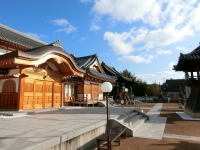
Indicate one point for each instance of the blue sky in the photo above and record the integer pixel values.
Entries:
(145, 37)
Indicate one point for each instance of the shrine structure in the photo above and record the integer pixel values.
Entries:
(190, 65)
(122, 84)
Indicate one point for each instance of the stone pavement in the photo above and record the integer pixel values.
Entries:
(155, 126)
(45, 128)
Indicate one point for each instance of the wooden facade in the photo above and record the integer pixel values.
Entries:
(34, 78)
(37, 75)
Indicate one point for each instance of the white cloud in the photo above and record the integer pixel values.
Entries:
(129, 10)
(181, 49)
(164, 52)
(160, 77)
(171, 65)
(136, 59)
(166, 36)
(94, 27)
(120, 43)
(194, 18)
(67, 27)
(60, 22)
(123, 43)
(171, 21)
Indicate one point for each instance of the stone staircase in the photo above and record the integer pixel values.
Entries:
(132, 120)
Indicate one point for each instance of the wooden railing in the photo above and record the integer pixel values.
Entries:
(8, 100)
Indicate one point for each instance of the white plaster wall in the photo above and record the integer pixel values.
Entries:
(87, 82)
(88, 96)
(13, 72)
(2, 51)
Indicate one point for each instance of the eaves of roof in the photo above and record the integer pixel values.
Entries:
(19, 38)
(40, 52)
(110, 69)
(104, 76)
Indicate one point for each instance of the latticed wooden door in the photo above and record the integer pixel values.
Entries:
(49, 95)
(57, 94)
(94, 91)
(39, 95)
(28, 94)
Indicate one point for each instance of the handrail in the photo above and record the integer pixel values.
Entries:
(128, 117)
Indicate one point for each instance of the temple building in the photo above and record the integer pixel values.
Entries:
(122, 84)
(90, 87)
(37, 75)
(190, 65)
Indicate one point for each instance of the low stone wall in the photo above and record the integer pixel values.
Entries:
(81, 139)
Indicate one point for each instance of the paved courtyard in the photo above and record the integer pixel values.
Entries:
(46, 127)
(165, 130)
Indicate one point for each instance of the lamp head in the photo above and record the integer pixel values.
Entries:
(106, 87)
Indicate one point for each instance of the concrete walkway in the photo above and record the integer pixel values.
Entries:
(155, 126)
(46, 128)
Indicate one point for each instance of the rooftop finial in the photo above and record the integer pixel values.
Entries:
(57, 44)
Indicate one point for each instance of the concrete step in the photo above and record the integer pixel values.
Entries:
(135, 125)
(126, 117)
(132, 120)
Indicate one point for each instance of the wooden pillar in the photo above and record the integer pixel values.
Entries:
(62, 95)
(53, 101)
(21, 91)
(131, 92)
(91, 93)
(44, 94)
(83, 86)
(197, 74)
(34, 94)
(192, 76)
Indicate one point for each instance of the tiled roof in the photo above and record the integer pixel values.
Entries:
(110, 70)
(36, 53)
(189, 62)
(19, 38)
(195, 54)
(174, 84)
(85, 61)
(101, 75)
(113, 72)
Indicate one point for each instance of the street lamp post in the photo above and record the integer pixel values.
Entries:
(106, 87)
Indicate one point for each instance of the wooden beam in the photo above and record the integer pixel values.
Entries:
(12, 46)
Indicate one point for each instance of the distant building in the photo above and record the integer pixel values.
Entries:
(172, 88)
